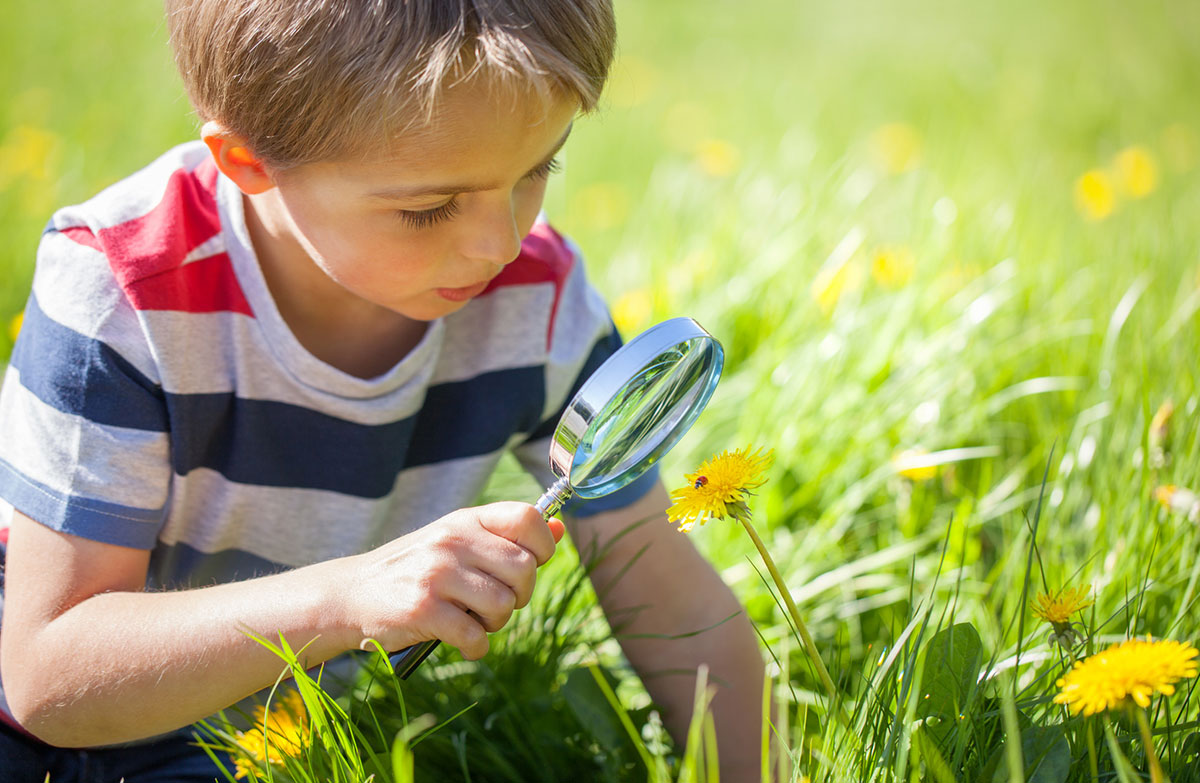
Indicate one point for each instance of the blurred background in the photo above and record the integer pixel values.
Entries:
(951, 248)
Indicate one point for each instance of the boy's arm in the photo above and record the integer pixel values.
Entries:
(89, 658)
(680, 593)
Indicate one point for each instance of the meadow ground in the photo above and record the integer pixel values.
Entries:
(951, 250)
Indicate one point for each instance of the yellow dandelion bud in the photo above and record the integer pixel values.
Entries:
(892, 267)
(896, 146)
(1095, 195)
(1132, 671)
(1136, 172)
(14, 326)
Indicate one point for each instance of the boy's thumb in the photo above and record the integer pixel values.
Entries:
(557, 529)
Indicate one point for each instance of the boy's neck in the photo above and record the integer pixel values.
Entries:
(355, 336)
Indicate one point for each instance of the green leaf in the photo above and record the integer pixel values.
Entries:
(1045, 751)
(953, 658)
(590, 706)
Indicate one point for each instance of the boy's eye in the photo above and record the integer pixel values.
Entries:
(545, 170)
(424, 218)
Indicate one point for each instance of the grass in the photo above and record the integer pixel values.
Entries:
(874, 207)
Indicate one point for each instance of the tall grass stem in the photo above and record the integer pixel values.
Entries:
(809, 646)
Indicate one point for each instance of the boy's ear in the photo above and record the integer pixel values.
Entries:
(235, 160)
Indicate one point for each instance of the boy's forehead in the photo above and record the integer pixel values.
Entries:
(470, 107)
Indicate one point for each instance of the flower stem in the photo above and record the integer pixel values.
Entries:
(809, 646)
(1156, 772)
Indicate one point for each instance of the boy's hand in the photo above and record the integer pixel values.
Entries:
(456, 579)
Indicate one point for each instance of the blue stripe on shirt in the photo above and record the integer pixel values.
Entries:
(88, 518)
(83, 376)
(283, 445)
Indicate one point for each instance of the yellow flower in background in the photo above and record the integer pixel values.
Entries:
(632, 310)
(14, 326)
(892, 267)
(1179, 500)
(286, 734)
(831, 283)
(1136, 172)
(717, 157)
(1131, 671)
(896, 147)
(719, 488)
(1160, 424)
(1095, 195)
(914, 465)
(1057, 608)
(27, 151)
(602, 204)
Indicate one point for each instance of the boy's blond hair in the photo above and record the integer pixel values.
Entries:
(310, 80)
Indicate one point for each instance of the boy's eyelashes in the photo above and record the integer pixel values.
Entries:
(427, 217)
(424, 218)
(545, 170)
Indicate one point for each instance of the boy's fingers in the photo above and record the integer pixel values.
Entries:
(521, 524)
(557, 529)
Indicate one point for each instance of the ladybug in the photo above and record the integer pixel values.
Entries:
(700, 482)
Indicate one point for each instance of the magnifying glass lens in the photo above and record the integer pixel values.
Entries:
(645, 418)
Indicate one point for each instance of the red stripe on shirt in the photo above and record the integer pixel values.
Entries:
(205, 286)
(147, 253)
(544, 258)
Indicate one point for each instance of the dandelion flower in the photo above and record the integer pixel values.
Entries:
(1058, 608)
(892, 267)
(717, 157)
(286, 734)
(896, 146)
(1136, 172)
(1131, 671)
(1179, 500)
(914, 465)
(1095, 195)
(632, 310)
(719, 488)
(1160, 425)
(14, 326)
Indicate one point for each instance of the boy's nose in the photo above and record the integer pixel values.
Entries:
(496, 238)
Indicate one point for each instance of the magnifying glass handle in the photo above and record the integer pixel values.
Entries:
(407, 660)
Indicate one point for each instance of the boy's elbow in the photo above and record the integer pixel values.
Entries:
(50, 723)
(34, 707)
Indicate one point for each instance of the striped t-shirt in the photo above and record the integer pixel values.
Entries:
(156, 398)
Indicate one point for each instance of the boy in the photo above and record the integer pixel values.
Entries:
(260, 380)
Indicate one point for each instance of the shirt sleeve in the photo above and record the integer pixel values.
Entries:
(582, 337)
(83, 423)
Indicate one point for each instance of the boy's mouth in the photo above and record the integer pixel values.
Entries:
(463, 294)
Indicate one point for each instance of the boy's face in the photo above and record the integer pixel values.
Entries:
(423, 230)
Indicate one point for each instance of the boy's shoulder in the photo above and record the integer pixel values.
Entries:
(152, 227)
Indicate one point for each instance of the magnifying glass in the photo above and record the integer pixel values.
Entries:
(621, 422)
